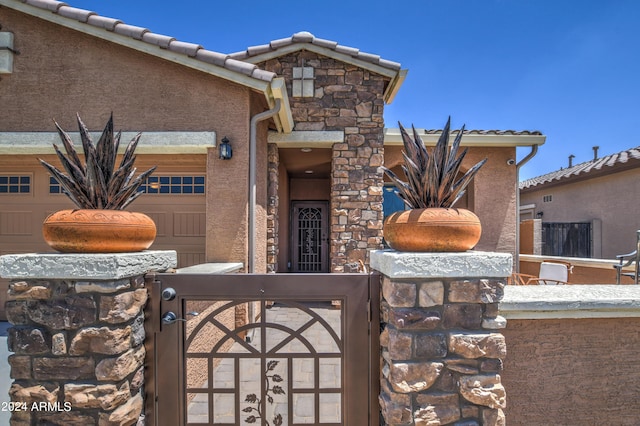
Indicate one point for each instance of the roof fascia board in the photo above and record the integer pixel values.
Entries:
(394, 86)
(386, 72)
(307, 139)
(41, 143)
(392, 137)
(138, 45)
(284, 118)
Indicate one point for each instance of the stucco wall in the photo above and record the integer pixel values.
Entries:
(572, 371)
(614, 199)
(145, 93)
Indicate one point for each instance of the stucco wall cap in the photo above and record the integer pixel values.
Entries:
(479, 264)
(100, 266)
(570, 301)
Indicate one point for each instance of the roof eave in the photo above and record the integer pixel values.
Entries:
(579, 177)
(141, 46)
(394, 86)
(285, 50)
(392, 137)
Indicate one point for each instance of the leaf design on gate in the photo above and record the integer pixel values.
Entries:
(252, 398)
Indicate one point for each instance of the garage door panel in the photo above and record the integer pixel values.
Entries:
(16, 223)
(189, 224)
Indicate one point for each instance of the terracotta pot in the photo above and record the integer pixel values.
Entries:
(432, 230)
(98, 231)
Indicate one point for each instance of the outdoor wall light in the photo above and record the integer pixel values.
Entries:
(224, 150)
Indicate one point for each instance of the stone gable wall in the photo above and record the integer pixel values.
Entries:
(348, 99)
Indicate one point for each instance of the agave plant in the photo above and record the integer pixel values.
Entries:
(97, 184)
(431, 178)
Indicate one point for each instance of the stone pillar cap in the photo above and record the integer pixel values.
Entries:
(97, 266)
(469, 264)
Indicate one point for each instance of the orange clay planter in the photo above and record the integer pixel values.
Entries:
(98, 231)
(432, 230)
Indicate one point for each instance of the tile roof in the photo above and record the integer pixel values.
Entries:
(619, 160)
(306, 37)
(488, 132)
(147, 36)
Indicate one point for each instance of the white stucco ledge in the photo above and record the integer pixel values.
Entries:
(570, 301)
(469, 264)
(75, 266)
(211, 268)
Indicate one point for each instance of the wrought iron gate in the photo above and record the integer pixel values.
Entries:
(566, 239)
(263, 349)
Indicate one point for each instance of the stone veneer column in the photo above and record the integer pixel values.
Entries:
(273, 207)
(78, 336)
(441, 349)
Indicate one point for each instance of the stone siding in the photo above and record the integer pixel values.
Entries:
(349, 99)
(78, 343)
(442, 352)
(273, 205)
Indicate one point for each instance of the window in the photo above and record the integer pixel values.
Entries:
(302, 85)
(15, 184)
(163, 185)
(547, 198)
(391, 202)
(173, 185)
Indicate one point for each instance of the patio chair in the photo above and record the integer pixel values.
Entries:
(629, 259)
(552, 272)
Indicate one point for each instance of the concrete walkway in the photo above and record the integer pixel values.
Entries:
(5, 380)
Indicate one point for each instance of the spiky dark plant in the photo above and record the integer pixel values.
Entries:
(98, 184)
(431, 178)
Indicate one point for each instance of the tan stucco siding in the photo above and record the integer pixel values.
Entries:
(61, 72)
(612, 199)
(572, 371)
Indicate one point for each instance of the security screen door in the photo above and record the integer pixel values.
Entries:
(309, 235)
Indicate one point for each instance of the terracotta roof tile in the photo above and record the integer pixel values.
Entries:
(302, 37)
(145, 35)
(257, 50)
(190, 49)
(46, 4)
(157, 39)
(306, 37)
(81, 15)
(617, 160)
(130, 30)
(489, 132)
(103, 22)
(212, 57)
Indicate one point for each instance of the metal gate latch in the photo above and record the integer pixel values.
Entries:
(170, 317)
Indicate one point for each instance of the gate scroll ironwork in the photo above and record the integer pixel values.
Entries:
(298, 360)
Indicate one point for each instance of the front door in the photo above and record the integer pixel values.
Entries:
(309, 236)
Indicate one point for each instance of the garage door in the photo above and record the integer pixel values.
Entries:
(175, 200)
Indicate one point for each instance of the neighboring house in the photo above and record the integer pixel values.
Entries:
(318, 182)
(587, 210)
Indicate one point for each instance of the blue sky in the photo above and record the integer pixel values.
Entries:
(569, 68)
